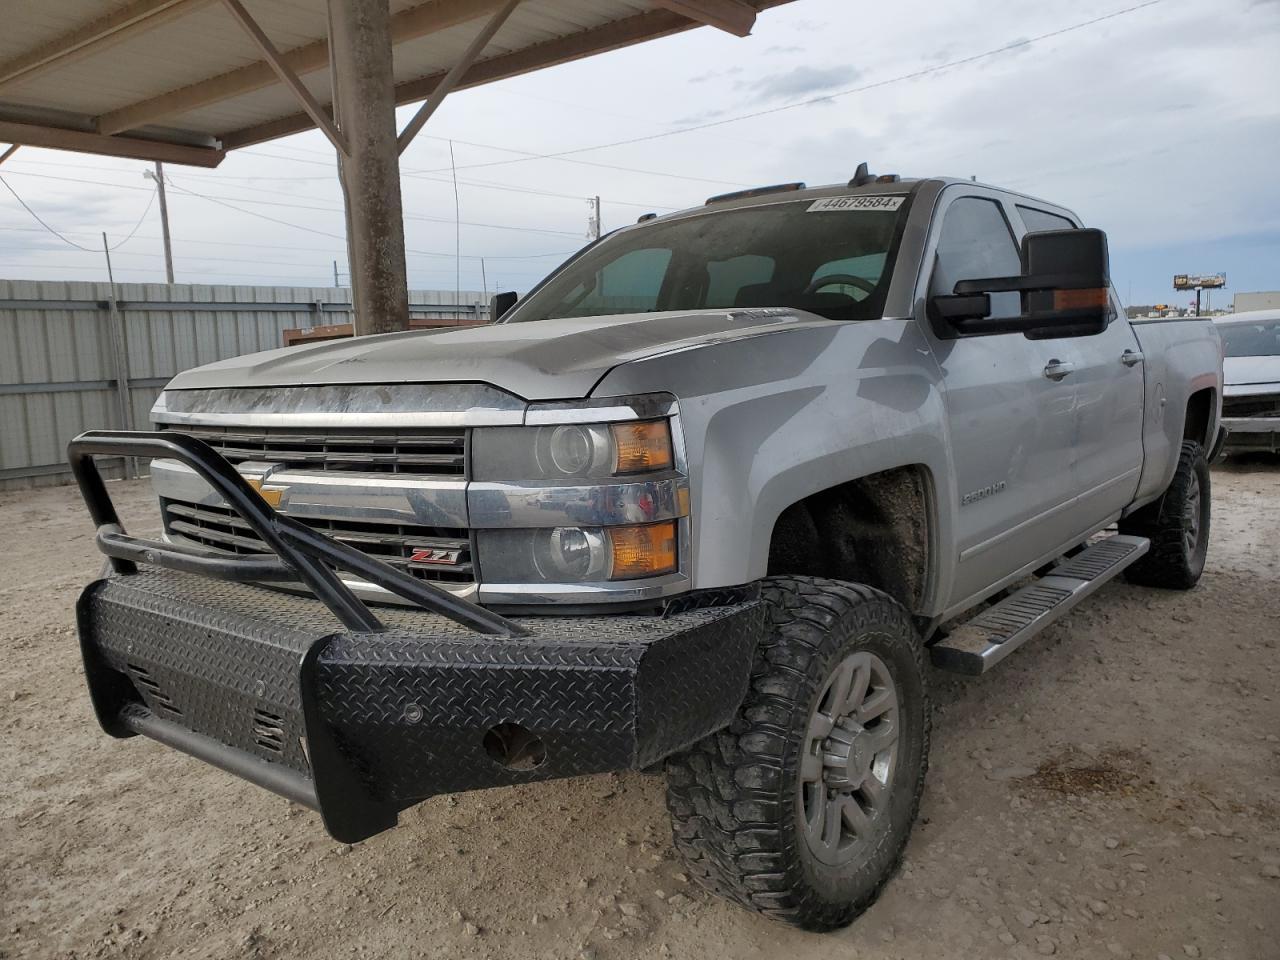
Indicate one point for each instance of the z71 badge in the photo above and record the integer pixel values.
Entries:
(435, 556)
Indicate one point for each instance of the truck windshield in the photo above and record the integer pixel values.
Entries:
(834, 262)
(1251, 339)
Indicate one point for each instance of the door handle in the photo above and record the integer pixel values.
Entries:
(1058, 369)
(1131, 358)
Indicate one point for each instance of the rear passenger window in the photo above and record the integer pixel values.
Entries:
(1043, 220)
(976, 243)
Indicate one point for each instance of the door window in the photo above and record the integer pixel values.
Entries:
(1043, 220)
(975, 244)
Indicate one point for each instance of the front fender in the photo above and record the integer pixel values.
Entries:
(772, 419)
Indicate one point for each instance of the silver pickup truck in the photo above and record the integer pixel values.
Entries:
(706, 500)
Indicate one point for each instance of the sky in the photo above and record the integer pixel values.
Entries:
(1160, 125)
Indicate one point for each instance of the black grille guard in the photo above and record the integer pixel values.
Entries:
(361, 718)
(302, 555)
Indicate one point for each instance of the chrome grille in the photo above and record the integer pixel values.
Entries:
(220, 528)
(434, 452)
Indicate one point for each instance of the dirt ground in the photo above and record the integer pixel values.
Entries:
(1112, 790)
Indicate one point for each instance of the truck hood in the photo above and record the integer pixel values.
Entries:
(542, 360)
(1239, 371)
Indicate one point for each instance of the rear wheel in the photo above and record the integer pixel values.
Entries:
(1177, 525)
(801, 809)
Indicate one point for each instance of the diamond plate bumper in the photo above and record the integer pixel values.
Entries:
(360, 725)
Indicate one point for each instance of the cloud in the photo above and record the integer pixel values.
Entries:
(716, 74)
(801, 81)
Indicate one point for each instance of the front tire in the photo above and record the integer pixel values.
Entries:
(801, 809)
(1177, 525)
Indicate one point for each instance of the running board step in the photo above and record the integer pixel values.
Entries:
(977, 645)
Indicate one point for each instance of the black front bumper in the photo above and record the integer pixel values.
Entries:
(360, 726)
(359, 715)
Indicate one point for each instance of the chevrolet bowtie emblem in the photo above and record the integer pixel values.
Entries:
(270, 493)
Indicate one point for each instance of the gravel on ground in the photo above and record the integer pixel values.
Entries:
(1111, 790)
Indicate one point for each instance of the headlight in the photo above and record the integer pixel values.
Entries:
(578, 554)
(571, 451)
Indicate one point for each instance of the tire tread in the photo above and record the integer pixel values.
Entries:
(1166, 563)
(724, 792)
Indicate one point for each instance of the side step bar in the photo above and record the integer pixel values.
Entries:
(977, 645)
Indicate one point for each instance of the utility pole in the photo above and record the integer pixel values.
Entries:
(593, 222)
(158, 177)
(335, 274)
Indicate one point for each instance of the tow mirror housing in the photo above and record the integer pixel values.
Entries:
(500, 304)
(1064, 285)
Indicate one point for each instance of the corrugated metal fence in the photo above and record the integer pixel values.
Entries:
(58, 347)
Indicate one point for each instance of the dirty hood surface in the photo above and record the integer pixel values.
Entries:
(541, 360)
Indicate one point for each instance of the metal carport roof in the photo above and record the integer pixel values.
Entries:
(183, 81)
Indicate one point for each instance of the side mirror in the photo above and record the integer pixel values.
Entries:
(1064, 285)
(500, 303)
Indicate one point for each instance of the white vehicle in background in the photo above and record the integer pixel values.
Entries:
(1251, 381)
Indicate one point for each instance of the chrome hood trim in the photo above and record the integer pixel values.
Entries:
(341, 405)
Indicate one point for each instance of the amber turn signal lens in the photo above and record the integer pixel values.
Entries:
(1079, 299)
(643, 551)
(642, 446)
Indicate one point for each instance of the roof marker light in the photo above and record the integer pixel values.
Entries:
(756, 192)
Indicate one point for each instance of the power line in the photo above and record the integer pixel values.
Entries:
(260, 216)
(913, 75)
(328, 251)
(38, 219)
(407, 216)
(145, 211)
(221, 177)
(525, 155)
(415, 174)
(278, 203)
(71, 243)
(528, 155)
(298, 226)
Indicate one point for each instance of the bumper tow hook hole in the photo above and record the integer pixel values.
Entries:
(513, 747)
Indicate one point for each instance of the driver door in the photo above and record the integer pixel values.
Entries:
(1011, 412)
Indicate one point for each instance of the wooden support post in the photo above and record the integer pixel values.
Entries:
(365, 89)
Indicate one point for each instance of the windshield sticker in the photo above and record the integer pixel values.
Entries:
(855, 203)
